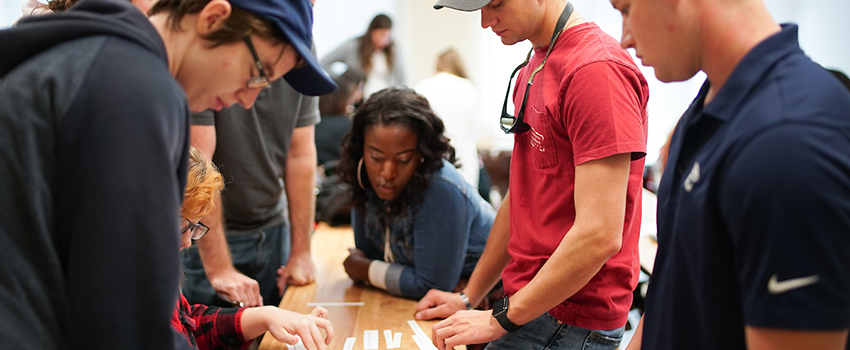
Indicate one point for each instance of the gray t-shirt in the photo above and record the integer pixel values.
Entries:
(251, 150)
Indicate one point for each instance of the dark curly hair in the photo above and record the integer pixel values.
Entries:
(405, 108)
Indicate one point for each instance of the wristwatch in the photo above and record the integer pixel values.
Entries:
(465, 300)
(500, 312)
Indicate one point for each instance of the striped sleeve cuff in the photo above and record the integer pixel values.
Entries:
(378, 274)
(386, 276)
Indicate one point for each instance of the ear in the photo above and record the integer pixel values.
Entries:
(213, 16)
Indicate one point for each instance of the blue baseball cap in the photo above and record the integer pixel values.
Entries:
(294, 18)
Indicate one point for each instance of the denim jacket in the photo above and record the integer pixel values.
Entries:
(436, 243)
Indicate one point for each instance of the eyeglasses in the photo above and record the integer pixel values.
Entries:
(262, 81)
(516, 125)
(198, 230)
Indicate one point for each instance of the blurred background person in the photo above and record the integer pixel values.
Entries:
(374, 54)
(333, 199)
(336, 109)
(453, 98)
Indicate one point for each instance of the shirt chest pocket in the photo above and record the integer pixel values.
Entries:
(542, 148)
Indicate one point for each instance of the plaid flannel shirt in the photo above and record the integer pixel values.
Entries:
(209, 327)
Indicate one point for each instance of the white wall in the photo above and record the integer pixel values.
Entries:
(422, 32)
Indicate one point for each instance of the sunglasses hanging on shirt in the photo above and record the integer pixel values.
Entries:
(516, 125)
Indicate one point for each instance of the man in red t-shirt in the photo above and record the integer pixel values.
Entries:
(566, 245)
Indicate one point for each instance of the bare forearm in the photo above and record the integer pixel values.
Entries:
(793, 339)
(596, 236)
(300, 184)
(637, 338)
(494, 259)
(213, 248)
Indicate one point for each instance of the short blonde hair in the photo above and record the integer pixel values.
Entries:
(203, 183)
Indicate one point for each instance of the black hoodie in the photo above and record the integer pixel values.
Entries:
(93, 150)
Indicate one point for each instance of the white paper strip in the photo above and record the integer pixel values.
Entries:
(388, 336)
(297, 346)
(422, 340)
(397, 340)
(370, 339)
(353, 303)
(416, 329)
(423, 343)
(349, 343)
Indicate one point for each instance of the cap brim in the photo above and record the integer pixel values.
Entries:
(311, 79)
(462, 5)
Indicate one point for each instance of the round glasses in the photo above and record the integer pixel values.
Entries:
(198, 230)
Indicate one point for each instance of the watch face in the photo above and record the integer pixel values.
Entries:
(501, 306)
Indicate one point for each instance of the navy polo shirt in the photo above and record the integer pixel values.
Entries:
(754, 207)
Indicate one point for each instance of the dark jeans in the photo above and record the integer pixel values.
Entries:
(256, 254)
(546, 332)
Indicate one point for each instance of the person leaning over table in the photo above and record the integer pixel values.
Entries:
(417, 223)
(754, 203)
(95, 104)
(210, 327)
(565, 245)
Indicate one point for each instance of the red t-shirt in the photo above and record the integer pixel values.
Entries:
(588, 102)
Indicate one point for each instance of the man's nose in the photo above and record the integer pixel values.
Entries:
(487, 18)
(627, 40)
(247, 97)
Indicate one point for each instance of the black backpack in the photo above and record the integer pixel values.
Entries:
(333, 198)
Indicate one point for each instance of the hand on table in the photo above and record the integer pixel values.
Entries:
(235, 286)
(438, 304)
(357, 265)
(466, 327)
(299, 271)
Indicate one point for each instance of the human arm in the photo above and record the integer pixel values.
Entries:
(596, 235)
(300, 182)
(234, 328)
(637, 337)
(345, 53)
(213, 249)
(437, 235)
(283, 325)
(786, 339)
(121, 165)
(494, 259)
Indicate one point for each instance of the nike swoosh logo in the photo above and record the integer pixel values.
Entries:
(778, 287)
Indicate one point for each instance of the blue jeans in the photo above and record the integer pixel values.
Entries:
(546, 332)
(256, 254)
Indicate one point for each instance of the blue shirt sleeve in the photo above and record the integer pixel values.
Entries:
(785, 199)
(441, 235)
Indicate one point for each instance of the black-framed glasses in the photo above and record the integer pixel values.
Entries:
(262, 81)
(198, 230)
(516, 125)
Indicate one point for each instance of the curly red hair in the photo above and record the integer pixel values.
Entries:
(202, 184)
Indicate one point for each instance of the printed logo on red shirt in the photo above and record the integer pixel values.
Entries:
(537, 140)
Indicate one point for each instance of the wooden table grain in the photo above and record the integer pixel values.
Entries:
(380, 310)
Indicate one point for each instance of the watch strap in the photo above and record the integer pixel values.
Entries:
(500, 312)
(465, 300)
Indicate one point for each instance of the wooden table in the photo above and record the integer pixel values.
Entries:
(379, 311)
